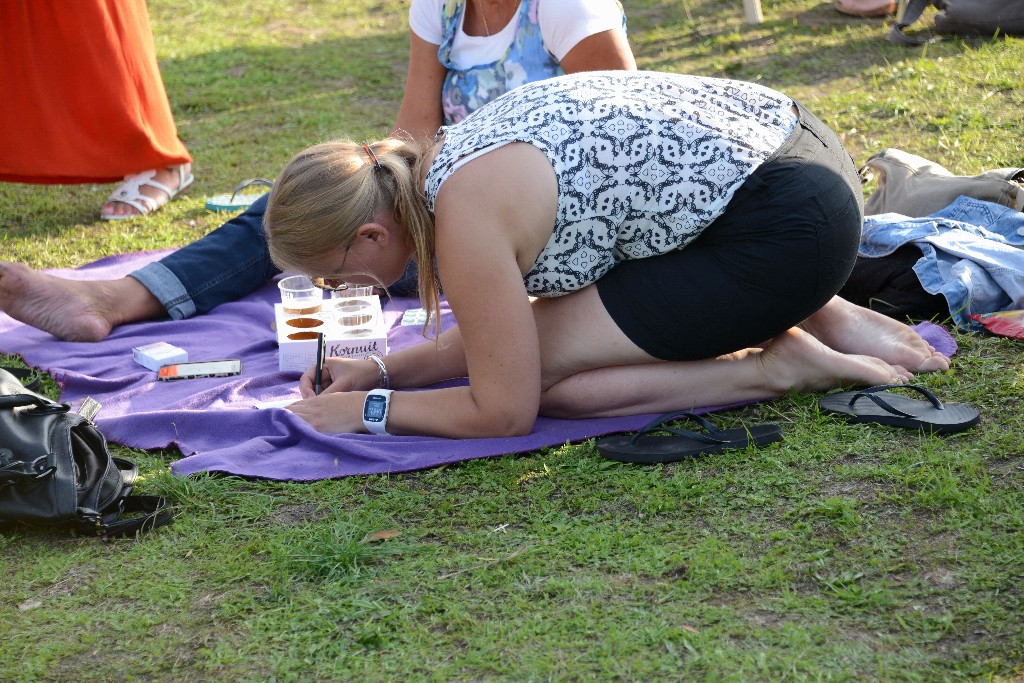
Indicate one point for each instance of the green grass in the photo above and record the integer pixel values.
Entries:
(842, 553)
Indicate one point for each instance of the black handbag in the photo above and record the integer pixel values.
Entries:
(56, 470)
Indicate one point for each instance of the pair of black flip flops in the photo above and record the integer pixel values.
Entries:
(874, 405)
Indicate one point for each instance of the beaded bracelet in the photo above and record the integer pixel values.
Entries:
(385, 378)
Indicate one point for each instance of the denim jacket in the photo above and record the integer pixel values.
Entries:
(971, 254)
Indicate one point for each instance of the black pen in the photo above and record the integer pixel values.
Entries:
(321, 351)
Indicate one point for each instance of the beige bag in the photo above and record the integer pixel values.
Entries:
(913, 186)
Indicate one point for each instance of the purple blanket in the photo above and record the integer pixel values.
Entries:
(213, 422)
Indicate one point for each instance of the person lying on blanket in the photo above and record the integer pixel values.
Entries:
(456, 64)
(684, 239)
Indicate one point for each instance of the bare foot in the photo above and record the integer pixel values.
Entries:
(849, 328)
(169, 177)
(796, 360)
(70, 309)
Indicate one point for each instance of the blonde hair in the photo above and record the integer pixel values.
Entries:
(328, 190)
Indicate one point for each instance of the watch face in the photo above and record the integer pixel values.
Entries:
(373, 410)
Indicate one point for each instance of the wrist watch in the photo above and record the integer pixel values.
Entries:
(375, 410)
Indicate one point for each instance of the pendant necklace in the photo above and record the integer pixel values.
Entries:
(483, 16)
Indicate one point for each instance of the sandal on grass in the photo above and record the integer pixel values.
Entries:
(682, 443)
(130, 192)
(875, 405)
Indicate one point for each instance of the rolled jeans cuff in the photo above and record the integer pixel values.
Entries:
(167, 288)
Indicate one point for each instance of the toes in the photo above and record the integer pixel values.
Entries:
(902, 375)
(935, 363)
(117, 209)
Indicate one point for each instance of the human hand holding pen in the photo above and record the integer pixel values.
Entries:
(339, 375)
(321, 353)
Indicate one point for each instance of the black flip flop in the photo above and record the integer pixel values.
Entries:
(642, 448)
(875, 405)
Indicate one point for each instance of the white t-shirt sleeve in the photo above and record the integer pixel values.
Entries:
(564, 23)
(425, 20)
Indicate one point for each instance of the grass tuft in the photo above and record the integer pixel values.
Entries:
(339, 548)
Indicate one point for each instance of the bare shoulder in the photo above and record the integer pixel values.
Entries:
(510, 192)
(517, 165)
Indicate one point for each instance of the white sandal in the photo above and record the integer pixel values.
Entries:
(128, 193)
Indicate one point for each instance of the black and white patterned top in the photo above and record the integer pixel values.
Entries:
(644, 161)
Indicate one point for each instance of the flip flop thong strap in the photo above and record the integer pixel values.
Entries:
(871, 393)
(248, 182)
(657, 425)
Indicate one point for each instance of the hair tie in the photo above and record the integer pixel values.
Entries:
(373, 157)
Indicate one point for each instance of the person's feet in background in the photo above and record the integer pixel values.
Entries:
(143, 193)
(866, 8)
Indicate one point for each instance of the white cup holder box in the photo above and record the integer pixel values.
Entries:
(353, 327)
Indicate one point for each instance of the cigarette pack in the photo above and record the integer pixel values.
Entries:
(158, 354)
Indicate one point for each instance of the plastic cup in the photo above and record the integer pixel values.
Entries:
(340, 307)
(351, 312)
(351, 292)
(355, 319)
(299, 296)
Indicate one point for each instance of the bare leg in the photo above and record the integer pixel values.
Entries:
(70, 309)
(590, 368)
(850, 328)
(793, 360)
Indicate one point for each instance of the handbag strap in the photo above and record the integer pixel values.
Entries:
(154, 513)
(42, 405)
(22, 374)
(14, 471)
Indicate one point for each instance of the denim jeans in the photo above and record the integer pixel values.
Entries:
(223, 266)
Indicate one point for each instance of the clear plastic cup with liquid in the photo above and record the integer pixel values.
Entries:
(299, 296)
(351, 291)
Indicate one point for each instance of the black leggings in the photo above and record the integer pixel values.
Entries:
(783, 248)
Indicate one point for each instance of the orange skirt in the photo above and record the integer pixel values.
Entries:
(83, 100)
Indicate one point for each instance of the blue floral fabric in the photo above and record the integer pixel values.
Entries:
(525, 61)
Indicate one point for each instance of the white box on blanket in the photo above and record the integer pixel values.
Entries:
(354, 328)
(158, 354)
